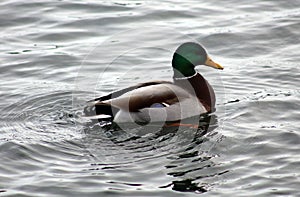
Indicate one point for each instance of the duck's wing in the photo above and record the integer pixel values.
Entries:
(125, 90)
(99, 106)
(146, 96)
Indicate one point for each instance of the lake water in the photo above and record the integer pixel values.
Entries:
(55, 55)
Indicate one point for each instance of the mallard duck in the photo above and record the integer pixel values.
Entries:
(188, 95)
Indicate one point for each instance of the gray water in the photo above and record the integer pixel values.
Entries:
(55, 55)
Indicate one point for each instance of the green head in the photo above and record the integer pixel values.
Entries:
(189, 55)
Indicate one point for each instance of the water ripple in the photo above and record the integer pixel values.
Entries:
(40, 117)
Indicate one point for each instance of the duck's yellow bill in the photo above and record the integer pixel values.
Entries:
(209, 62)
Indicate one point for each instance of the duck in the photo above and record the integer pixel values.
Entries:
(188, 95)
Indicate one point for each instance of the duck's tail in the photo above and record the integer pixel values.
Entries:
(100, 111)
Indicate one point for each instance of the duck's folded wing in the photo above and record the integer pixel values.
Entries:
(125, 90)
(146, 96)
(99, 105)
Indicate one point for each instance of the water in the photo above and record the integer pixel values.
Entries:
(55, 55)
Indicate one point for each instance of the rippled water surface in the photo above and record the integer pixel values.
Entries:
(55, 55)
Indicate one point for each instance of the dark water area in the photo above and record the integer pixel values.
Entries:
(56, 55)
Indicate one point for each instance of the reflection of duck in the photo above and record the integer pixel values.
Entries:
(189, 95)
